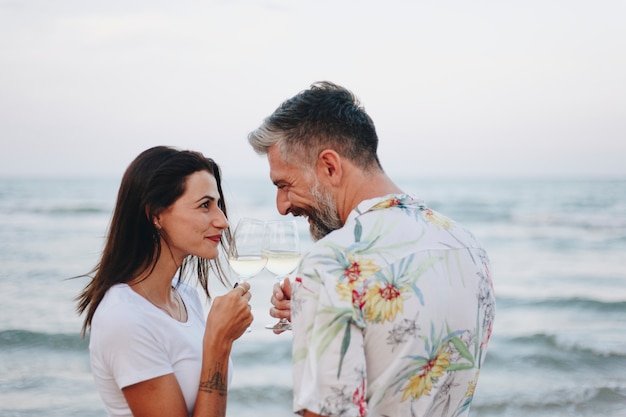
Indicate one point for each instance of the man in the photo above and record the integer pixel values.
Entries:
(392, 307)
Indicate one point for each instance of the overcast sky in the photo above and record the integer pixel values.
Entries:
(456, 88)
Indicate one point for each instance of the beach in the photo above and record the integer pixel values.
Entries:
(558, 257)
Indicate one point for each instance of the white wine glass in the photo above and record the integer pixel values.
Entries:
(245, 249)
(282, 250)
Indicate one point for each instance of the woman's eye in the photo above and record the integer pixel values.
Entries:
(205, 205)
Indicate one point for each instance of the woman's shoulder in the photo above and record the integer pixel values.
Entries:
(119, 294)
(120, 302)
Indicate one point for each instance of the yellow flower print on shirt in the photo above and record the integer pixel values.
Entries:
(437, 219)
(421, 383)
(383, 301)
(354, 274)
(471, 388)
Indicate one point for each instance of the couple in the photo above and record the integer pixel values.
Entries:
(392, 308)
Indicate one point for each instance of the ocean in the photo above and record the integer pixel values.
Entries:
(558, 254)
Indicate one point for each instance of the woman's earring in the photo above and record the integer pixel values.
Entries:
(157, 232)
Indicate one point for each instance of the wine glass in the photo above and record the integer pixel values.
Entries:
(245, 249)
(282, 250)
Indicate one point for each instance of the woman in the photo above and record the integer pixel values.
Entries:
(152, 351)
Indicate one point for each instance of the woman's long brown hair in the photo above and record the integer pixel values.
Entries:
(151, 183)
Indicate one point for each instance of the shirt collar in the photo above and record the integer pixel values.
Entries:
(386, 201)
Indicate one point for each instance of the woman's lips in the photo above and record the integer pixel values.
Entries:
(215, 238)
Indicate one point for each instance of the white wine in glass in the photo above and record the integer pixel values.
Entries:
(282, 263)
(247, 266)
(282, 249)
(245, 249)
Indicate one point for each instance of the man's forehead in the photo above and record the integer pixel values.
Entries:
(278, 167)
(273, 153)
(279, 175)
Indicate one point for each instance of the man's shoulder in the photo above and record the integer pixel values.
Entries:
(415, 224)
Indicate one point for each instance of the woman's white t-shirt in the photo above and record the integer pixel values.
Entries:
(132, 341)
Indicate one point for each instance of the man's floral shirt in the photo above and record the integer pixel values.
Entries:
(391, 315)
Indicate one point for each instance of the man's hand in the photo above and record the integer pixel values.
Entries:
(281, 301)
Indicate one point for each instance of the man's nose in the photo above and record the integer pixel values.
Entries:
(283, 205)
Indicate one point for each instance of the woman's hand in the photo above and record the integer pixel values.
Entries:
(230, 314)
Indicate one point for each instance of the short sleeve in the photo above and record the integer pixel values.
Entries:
(329, 362)
(126, 346)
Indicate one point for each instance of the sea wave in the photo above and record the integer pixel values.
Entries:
(258, 396)
(244, 354)
(262, 351)
(580, 220)
(56, 211)
(552, 352)
(573, 351)
(582, 401)
(578, 303)
(64, 210)
(473, 211)
(19, 339)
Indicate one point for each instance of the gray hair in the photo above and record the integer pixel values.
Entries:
(326, 116)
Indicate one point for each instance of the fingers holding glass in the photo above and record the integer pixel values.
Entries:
(282, 250)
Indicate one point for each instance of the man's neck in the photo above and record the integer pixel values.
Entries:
(360, 186)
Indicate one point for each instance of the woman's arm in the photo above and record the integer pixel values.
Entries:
(228, 318)
(213, 388)
(159, 396)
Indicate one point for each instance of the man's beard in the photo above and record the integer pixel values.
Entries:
(323, 217)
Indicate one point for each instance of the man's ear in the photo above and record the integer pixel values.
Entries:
(329, 166)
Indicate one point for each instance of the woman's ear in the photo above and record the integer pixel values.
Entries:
(153, 218)
(156, 220)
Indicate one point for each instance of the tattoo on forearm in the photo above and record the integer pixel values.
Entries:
(215, 383)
